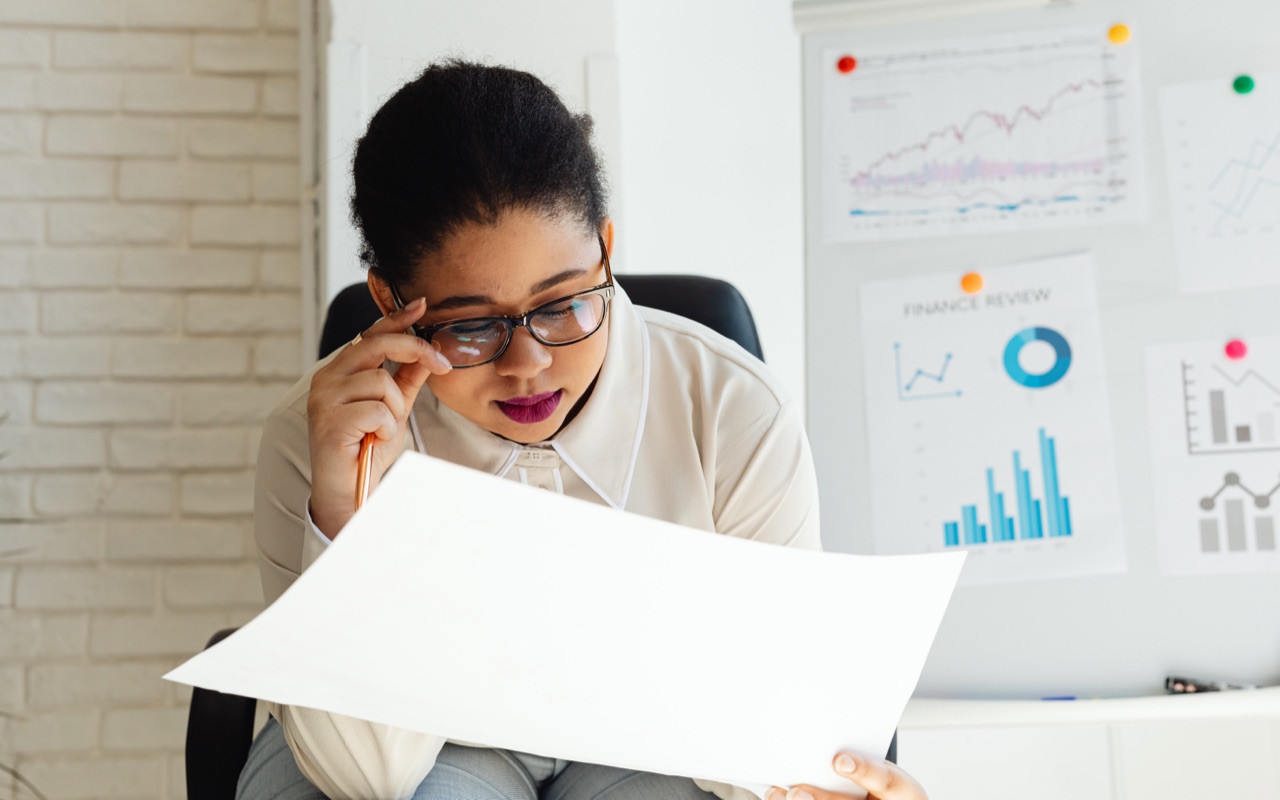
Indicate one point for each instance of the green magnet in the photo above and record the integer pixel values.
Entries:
(1242, 84)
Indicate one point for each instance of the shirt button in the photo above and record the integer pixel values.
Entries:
(537, 458)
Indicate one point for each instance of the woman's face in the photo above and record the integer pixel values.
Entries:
(525, 260)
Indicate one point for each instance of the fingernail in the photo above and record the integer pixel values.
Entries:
(774, 794)
(799, 794)
(417, 303)
(845, 764)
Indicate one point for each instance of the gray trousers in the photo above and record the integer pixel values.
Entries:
(470, 773)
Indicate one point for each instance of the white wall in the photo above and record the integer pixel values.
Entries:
(711, 155)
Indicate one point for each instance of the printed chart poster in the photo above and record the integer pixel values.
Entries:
(1041, 129)
(1223, 154)
(1215, 455)
(988, 422)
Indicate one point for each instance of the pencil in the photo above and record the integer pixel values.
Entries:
(364, 469)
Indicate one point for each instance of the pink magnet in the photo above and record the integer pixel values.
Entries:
(1236, 349)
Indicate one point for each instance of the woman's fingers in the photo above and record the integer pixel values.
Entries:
(376, 347)
(386, 340)
(882, 779)
(373, 416)
(370, 384)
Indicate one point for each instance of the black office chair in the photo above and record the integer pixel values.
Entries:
(220, 726)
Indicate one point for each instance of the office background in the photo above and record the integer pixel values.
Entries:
(160, 289)
(1106, 633)
(170, 232)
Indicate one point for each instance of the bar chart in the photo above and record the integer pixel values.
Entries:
(979, 437)
(1229, 413)
(1214, 417)
(1028, 517)
(1232, 517)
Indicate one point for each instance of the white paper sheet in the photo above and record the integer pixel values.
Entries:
(986, 134)
(989, 423)
(1220, 154)
(1214, 443)
(475, 608)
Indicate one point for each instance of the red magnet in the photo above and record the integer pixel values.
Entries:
(1236, 349)
(847, 64)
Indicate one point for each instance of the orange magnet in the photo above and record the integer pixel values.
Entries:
(971, 283)
(1119, 34)
(847, 64)
(1236, 350)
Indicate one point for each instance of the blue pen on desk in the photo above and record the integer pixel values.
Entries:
(1060, 697)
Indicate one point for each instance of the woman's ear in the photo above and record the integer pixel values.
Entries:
(382, 295)
(606, 233)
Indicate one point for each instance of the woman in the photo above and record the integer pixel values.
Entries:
(482, 209)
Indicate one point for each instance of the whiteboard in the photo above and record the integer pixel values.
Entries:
(1111, 635)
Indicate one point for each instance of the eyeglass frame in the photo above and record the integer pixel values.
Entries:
(513, 321)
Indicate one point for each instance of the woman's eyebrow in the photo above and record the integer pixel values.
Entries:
(556, 280)
(462, 301)
(466, 301)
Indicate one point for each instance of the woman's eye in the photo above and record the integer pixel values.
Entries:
(470, 331)
(562, 310)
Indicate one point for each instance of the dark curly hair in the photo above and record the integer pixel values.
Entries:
(460, 144)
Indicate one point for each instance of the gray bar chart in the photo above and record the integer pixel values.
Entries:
(1228, 413)
(1228, 530)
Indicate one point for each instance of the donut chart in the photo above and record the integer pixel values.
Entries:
(1055, 373)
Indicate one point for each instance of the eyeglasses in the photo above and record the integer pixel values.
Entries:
(479, 340)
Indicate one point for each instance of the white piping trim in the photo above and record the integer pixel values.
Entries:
(559, 482)
(524, 476)
(621, 503)
(420, 445)
(586, 479)
(511, 459)
(644, 410)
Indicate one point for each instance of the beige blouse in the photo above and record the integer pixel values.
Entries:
(683, 425)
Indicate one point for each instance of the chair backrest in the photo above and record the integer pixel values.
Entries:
(714, 303)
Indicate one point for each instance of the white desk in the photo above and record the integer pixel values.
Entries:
(1170, 747)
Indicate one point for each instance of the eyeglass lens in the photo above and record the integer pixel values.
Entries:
(473, 341)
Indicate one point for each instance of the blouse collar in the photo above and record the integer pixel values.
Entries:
(600, 444)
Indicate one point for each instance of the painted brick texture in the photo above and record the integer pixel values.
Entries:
(150, 315)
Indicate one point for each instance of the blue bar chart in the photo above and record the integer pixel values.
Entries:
(1043, 517)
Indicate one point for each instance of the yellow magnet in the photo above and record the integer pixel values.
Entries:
(971, 283)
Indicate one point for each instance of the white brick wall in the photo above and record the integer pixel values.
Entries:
(149, 317)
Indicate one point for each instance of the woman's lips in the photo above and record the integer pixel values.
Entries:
(528, 410)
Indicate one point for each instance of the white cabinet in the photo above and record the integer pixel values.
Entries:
(1154, 748)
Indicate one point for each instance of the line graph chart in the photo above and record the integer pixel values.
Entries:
(1229, 515)
(1223, 159)
(1250, 176)
(981, 135)
(934, 387)
(961, 134)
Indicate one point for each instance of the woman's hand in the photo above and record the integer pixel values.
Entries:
(881, 779)
(353, 395)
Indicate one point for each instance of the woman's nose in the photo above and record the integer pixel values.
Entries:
(525, 356)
